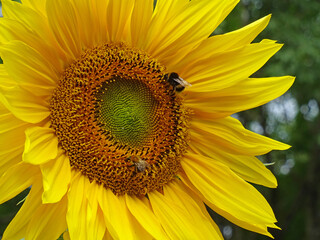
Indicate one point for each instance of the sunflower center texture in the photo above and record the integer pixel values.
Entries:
(127, 109)
(119, 120)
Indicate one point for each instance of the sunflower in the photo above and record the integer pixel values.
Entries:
(116, 114)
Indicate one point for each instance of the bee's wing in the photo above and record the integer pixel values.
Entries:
(182, 82)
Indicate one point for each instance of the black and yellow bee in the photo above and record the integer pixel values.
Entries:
(176, 81)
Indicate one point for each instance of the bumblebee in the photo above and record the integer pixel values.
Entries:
(176, 81)
(139, 163)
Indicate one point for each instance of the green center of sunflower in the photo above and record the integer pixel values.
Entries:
(127, 109)
(119, 120)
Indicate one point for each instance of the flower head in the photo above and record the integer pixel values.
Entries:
(117, 114)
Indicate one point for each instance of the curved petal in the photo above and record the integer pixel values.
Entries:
(10, 158)
(56, 176)
(11, 132)
(5, 81)
(174, 218)
(36, 5)
(145, 216)
(116, 214)
(38, 28)
(190, 202)
(224, 42)
(230, 136)
(118, 19)
(96, 226)
(16, 179)
(32, 19)
(254, 92)
(11, 30)
(64, 23)
(28, 68)
(18, 226)
(89, 14)
(140, 22)
(77, 208)
(229, 67)
(48, 221)
(185, 28)
(228, 194)
(249, 168)
(23, 104)
(41, 145)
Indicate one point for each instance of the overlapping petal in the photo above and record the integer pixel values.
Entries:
(77, 208)
(48, 221)
(56, 176)
(116, 214)
(18, 226)
(145, 216)
(178, 30)
(193, 205)
(23, 104)
(249, 167)
(140, 21)
(16, 179)
(228, 194)
(229, 134)
(256, 92)
(229, 67)
(118, 19)
(41, 145)
(65, 27)
(224, 42)
(96, 226)
(11, 30)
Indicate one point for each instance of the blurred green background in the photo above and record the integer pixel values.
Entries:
(292, 118)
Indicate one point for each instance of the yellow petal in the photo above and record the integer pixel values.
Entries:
(10, 159)
(229, 134)
(65, 27)
(77, 208)
(36, 5)
(15, 180)
(254, 92)
(228, 67)
(145, 217)
(23, 104)
(66, 235)
(118, 19)
(12, 135)
(228, 194)
(116, 214)
(56, 178)
(96, 226)
(173, 217)
(18, 226)
(38, 28)
(224, 42)
(6, 81)
(185, 28)
(11, 30)
(41, 145)
(249, 168)
(8, 123)
(201, 221)
(141, 17)
(48, 221)
(33, 20)
(28, 68)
